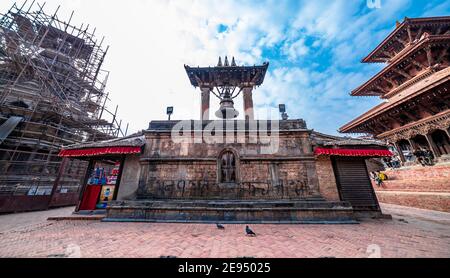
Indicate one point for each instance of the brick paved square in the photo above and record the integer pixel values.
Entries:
(411, 233)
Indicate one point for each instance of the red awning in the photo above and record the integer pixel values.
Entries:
(352, 152)
(99, 151)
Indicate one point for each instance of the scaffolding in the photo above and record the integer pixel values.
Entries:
(52, 94)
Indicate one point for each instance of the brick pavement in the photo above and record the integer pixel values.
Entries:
(412, 233)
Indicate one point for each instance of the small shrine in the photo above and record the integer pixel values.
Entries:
(235, 170)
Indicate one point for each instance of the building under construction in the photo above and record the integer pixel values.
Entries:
(52, 94)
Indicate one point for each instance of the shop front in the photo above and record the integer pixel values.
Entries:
(106, 163)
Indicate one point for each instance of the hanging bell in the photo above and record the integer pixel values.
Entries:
(226, 110)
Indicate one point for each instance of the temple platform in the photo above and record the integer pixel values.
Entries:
(254, 211)
(417, 186)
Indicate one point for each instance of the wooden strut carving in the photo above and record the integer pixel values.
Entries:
(424, 128)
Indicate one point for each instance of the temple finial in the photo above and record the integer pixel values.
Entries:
(219, 64)
(226, 64)
(233, 62)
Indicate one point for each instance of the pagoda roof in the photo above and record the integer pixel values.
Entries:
(420, 87)
(227, 75)
(378, 56)
(366, 88)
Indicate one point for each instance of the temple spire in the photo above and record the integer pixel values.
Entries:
(226, 64)
(233, 62)
(219, 64)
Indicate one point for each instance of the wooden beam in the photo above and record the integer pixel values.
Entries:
(410, 115)
(426, 108)
(393, 83)
(419, 33)
(429, 56)
(408, 29)
(402, 72)
(442, 55)
(421, 66)
(404, 43)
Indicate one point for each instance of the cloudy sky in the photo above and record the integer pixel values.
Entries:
(314, 49)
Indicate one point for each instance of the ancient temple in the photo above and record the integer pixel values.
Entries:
(414, 85)
(414, 117)
(230, 170)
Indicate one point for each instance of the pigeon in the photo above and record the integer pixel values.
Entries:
(249, 231)
(220, 226)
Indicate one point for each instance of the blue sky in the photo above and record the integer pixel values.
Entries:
(314, 49)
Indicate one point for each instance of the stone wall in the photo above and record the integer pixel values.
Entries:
(130, 178)
(327, 180)
(190, 170)
(198, 179)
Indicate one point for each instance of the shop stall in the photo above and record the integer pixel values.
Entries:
(106, 163)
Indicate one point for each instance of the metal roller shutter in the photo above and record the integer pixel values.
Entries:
(354, 183)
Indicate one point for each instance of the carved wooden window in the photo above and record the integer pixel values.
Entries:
(228, 167)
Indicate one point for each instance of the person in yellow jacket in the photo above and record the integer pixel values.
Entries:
(381, 177)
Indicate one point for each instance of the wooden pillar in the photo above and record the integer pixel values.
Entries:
(85, 181)
(432, 145)
(62, 168)
(248, 103)
(400, 152)
(204, 106)
(412, 144)
(446, 131)
(119, 177)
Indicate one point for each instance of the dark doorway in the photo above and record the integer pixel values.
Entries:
(441, 141)
(354, 183)
(421, 142)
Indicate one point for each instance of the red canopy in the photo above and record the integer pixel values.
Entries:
(99, 151)
(352, 152)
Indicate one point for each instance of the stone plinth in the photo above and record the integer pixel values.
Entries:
(295, 211)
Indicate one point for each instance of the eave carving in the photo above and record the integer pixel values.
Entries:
(441, 121)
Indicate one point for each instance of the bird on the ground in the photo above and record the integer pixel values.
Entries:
(249, 231)
(220, 226)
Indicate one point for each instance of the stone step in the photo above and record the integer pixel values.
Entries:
(419, 172)
(243, 204)
(423, 200)
(420, 185)
(204, 211)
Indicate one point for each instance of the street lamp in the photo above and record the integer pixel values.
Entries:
(169, 111)
(282, 109)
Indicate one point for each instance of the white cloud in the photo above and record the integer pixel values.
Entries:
(296, 49)
(152, 39)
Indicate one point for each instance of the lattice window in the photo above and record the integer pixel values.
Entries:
(228, 167)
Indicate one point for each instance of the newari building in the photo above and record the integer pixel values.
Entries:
(228, 170)
(415, 113)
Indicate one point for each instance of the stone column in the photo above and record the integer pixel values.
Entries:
(204, 106)
(248, 103)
